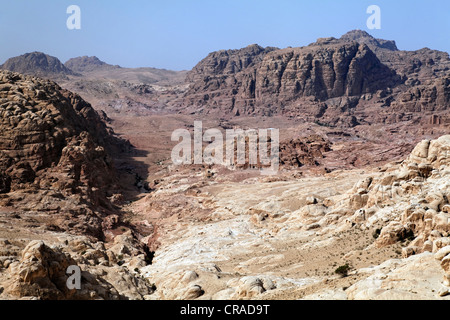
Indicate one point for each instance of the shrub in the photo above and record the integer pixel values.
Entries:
(343, 270)
(376, 234)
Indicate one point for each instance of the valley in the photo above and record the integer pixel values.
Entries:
(359, 207)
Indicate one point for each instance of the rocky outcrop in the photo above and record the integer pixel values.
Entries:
(42, 272)
(259, 239)
(391, 225)
(423, 177)
(303, 151)
(323, 70)
(433, 96)
(55, 146)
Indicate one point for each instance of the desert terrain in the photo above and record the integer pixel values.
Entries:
(359, 208)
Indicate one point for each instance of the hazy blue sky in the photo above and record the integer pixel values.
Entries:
(176, 34)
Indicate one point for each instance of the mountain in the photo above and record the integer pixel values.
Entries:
(87, 64)
(38, 64)
(108, 87)
(417, 66)
(94, 69)
(90, 69)
(357, 77)
(226, 62)
(323, 70)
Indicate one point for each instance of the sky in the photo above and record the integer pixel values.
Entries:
(177, 34)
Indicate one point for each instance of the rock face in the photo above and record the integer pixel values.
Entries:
(268, 77)
(41, 272)
(54, 146)
(433, 96)
(303, 151)
(419, 189)
(323, 70)
(58, 186)
(228, 62)
(347, 81)
(38, 64)
(417, 66)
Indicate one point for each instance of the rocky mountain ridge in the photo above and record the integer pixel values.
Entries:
(356, 79)
(354, 76)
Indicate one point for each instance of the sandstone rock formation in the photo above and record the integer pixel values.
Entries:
(54, 150)
(41, 272)
(284, 238)
(303, 151)
(323, 70)
(339, 82)
(228, 62)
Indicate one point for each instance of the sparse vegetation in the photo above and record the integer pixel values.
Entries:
(377, 233)
(343, 270)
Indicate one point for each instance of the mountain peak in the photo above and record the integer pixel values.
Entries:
(362, 36)
(36, 63)
(356, 35)
(86, 64)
